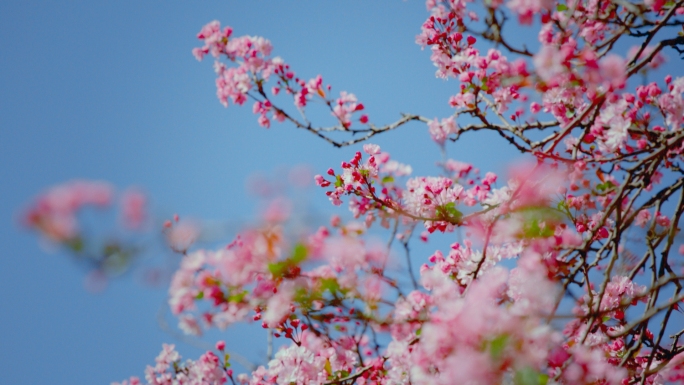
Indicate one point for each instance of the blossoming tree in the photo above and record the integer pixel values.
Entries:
(565, 270)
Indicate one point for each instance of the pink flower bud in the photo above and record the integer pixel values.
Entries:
(535, 108)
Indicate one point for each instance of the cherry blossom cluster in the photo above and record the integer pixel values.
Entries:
(563, 219)
(57, 215)
(258, 274)
(169, 369)
(561, 269)
(249, 66)
(256, 278)
(54, 213)
(482, 77)
(372, 185)
(251, 275)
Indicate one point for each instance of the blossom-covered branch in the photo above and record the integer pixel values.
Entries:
(589, 223)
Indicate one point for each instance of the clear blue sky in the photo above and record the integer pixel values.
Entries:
(109, 90)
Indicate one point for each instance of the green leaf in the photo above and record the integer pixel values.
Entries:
(448, 212)
(453, 212)
(562, 205)
(280, 268)
(497, 346)
(388, 179)
(76, 244)
(238, 297)
(532, 219)
(330, 284)
(306, 297)
(605, 186)
(338, 181)
(199, 295)
(529, 376)
(532, 229)
(277, 268)
(299, 253)
(111, 249)
(561, 8)
(543, 378)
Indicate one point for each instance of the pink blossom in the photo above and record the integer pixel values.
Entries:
(133, 206)
(441, 131)
(612, 117)
(613, 71)
(344, 107)
(657, 60)
(590, 366)
(549, 63)
(526, 9)
(54, 213)
(130, 381)
(463, 100)
(655, 5)
(182, 235)
(426, 195)
(189, 325)
(296, 365)
(278, 306)
(642, 218)
(662, 220)
(460, 169)
(371, 149)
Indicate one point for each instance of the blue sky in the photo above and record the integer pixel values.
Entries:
(109, 90)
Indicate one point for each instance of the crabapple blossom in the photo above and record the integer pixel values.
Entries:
(560, 218)
(54, 213)
(561, 268)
